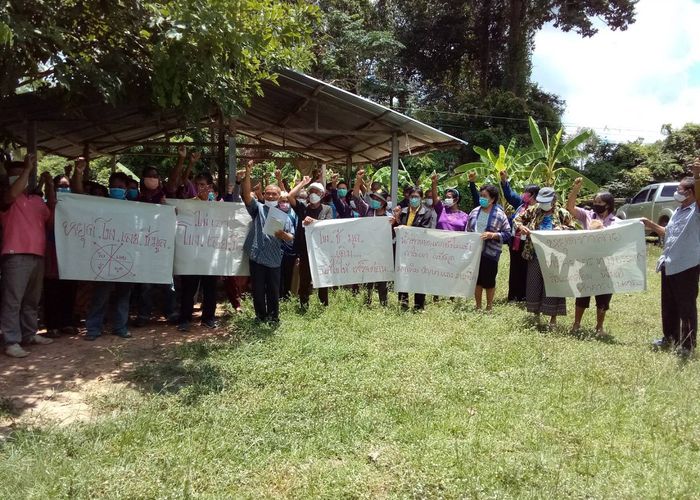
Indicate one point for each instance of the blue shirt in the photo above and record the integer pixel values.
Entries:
(262, 248)
(682, 242)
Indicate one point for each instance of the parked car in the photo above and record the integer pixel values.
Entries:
(655, 202)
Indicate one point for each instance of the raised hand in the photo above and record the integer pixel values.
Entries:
(578, 182)
(434, 176)
(80, 165)
(195, 156)
(29, 162)
(696, 168)
(334, 180)
(503, 175)
(472, 176)
(305, 180)
(46, 178)
(360, 174)
(181, 151)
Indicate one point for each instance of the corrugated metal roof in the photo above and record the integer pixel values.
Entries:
(299, 112)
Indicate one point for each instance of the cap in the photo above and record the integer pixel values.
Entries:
(318, 186)
(546, 195)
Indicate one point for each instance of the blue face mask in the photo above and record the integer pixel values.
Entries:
(342, 193)
(211, 197)
(117, 193)
(132, 194)
(415, 202)
(484, 202)
(63, 190)
(374, 204)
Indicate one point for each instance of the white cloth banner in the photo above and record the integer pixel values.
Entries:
(595, 262)
(98, 239)
(437, 262)
(209, 238)
(350, 251)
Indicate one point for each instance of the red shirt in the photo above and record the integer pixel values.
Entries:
(24, 226)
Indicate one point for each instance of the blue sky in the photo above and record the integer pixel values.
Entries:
(627, 84)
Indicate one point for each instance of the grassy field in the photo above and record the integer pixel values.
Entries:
(356, 402)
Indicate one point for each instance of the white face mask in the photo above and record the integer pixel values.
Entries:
(428, 202)
(314, 198)
(546, 207)
(270, 203)
(680, 198)
(12, 179)
(448, 202)
(389, 205)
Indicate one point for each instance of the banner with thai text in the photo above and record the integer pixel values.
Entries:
(350, 251)
(437, 262)
(209, 238)
(99, 239)
(594, 262)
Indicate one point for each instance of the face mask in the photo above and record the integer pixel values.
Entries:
(132, 194)
(545, 207)
(63, 189)
(314, 198)
(117, 193)
(599, 209)
(527, 198)
(270, 204)
(680, 198)
(342, 193)
(211, 197)
(415, 202)
(448, 202)
(389, 205)
(428, 202)
(374, 204)
(150, 183)
(12, 179)
(283, 205)
(484, 202)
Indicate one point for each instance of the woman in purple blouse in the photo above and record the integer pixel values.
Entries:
(449, 216)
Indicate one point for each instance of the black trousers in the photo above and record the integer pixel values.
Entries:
(266, 291)
(59, 300)
(679, 307)
(286, 274)
(517, 275)
(305, 285)
(418, 300)
(382, 288)
(190, 284)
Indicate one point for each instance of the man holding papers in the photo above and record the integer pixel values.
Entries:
(264, 247)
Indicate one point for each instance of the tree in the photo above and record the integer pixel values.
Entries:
(193, 55)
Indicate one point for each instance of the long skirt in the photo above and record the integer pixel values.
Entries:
(536, 300)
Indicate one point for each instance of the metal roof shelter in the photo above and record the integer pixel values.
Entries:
(298, 113)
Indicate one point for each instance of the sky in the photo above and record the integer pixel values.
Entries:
(627, 84)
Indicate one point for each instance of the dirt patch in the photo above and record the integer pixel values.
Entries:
(52, 383)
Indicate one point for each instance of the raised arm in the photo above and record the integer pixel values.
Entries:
(573, 194)
(294, 192)
(696, 176)
(245, 184)
(176, 172)
(22, 182)
(473, 190)
(513, 198)
(434, 187)
(280, 181)
(76, 182)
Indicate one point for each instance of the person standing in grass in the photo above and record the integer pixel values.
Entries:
(517, 269)
(599, 217)
(679, 265)
(545, 216)
(25, 217)
(264, 251)
(414, 215)
(308, 213)
(375, 207)
(491, 221)
(449, 216)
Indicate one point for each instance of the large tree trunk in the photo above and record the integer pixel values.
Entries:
(484, 40)
(517, 55)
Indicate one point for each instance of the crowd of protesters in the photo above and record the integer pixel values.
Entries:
(279, 263)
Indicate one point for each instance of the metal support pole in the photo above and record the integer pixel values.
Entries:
(395, 169)
(31, 149)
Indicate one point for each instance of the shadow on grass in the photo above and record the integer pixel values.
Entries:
(191, 371)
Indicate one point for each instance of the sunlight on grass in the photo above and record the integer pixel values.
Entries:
(356, 402)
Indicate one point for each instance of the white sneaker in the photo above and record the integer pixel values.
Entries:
(16, 351)
(39, 340)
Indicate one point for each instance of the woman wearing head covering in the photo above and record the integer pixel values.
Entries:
(375, 207)
(599, 217)
(414, 215)
(545, 216)
(491, 221)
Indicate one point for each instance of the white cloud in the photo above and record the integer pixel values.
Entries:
(626, 84)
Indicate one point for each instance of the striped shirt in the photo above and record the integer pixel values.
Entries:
(497, 222)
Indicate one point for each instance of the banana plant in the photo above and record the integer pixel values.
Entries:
(548, 155)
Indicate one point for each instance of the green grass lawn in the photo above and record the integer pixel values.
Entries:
(356, 402)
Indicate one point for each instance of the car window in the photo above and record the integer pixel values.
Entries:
(641, 196)
(667, 191)
(652, 192)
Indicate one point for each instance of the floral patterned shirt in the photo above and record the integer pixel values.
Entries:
(532, 219)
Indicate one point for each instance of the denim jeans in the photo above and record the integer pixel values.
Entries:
(98, 307)
(147, 292)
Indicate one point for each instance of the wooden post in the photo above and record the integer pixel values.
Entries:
(221, 157)
(232, 164)
(348, 171)
(32, 149)
(394, 169)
